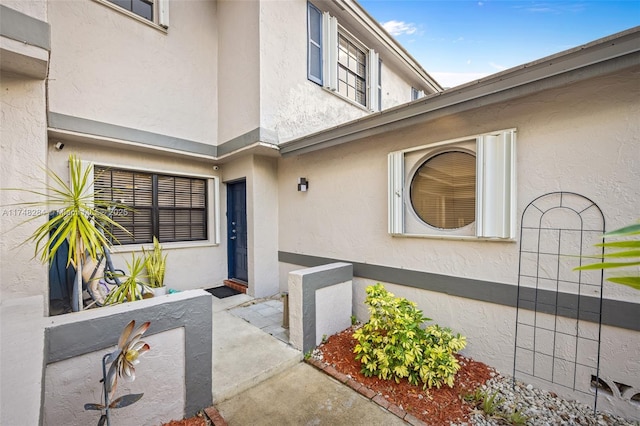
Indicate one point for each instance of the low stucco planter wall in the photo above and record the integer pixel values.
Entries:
(175, 375)
(320, 303)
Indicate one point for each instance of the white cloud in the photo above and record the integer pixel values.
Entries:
(552, 7)
(497, 66)
(396, 28)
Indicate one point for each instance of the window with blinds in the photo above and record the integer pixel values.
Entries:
(171, 208)
(443, 190)
(460, 188)
(352, 71)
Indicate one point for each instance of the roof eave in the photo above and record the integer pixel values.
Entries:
(603, 56)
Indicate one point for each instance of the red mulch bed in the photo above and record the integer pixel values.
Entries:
(198, 420)
(432, 406)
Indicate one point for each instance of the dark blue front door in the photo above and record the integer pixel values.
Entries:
(237, 230)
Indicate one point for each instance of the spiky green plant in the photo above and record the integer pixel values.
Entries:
(81, 219)
(628, 254)
(132, 287)
(155, 263)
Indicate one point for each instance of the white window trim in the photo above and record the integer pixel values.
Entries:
(495, 188)
(329, 48)
(329, 52)
(160, 15)
(213, 207)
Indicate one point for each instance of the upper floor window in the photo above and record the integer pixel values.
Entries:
(352, 71)
(340, 63)
(154, 11)
(171, 208)
(142, 8)
(416, 94)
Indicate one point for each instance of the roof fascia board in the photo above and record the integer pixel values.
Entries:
(601, 57)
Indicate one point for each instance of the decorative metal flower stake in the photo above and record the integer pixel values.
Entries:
(122, 360)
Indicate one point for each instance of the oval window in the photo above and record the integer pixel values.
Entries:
(443, 190)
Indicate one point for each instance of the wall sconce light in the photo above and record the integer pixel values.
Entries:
(303, 184)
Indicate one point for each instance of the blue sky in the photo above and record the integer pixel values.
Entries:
(458, 41)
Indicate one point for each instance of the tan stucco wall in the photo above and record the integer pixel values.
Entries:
(582, 138)
(289, 103)
(109, 67)
(262, 220)
(239, 72)
(190, 265)
(23, 155)
(563, 143)
(34, 8)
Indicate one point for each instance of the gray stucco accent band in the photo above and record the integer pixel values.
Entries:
(258, 134)
(194, 314)
(24, 28)
(314, 279)
(615, 313)
(97, 128)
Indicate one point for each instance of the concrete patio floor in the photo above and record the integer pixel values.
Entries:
(259, 379)
(243, 354)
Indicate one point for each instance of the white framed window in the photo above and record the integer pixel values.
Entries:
(340, 63)
(170, 208)
(462, 188)
(153, 11)
(416, 94)
(352, 70)
(176, 208)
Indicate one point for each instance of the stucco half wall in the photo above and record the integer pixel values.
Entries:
(175, 375)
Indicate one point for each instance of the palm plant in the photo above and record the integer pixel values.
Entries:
(628, 254)
(81, 220)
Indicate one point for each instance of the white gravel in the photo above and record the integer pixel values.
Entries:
(539, 407)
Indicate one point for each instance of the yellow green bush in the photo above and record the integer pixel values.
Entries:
(393, 344)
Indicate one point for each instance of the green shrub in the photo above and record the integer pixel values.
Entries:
(393, 344)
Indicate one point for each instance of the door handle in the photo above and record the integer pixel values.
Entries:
(233, 237)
